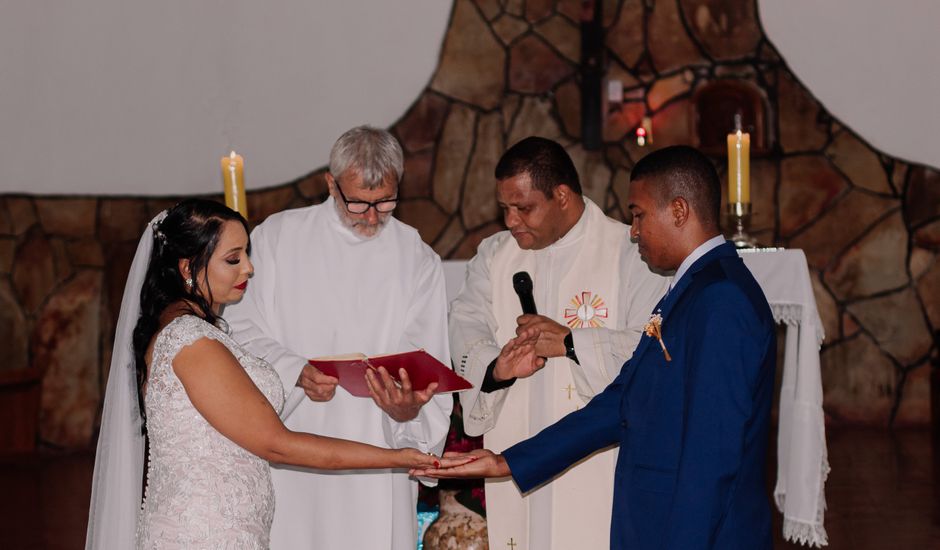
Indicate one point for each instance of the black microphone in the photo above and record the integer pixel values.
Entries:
(522, 284)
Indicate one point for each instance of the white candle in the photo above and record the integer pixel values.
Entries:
(739, 167)
(233, 178)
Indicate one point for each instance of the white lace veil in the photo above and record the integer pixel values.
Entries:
(119, 462)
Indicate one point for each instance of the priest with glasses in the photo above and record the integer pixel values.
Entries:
(337, 278)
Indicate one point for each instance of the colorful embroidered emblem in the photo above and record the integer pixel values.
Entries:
(587, 311)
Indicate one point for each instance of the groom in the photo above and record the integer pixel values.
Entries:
(690, 410)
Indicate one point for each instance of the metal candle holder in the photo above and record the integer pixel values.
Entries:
(740, 214)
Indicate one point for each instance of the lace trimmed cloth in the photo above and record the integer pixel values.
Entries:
(802, 462)
(203, 490)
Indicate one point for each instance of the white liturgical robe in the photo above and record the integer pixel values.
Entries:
(320, 289)
(593, 281)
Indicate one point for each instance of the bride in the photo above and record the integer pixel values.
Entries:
(210, 408)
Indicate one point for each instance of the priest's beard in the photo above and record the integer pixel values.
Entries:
(362, 227)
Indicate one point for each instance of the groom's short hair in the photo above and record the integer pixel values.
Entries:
(683, 171)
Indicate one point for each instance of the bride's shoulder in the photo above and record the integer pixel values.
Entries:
(174, 318)
(181, 328)
(185, 323)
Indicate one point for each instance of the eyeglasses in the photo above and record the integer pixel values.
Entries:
(383, 206)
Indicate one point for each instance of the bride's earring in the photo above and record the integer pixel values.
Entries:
(189, 284)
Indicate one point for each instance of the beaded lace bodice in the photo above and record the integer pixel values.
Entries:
(203, 490)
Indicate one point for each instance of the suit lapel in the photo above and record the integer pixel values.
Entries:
(641, 347)
(720, 251)
(669, 301)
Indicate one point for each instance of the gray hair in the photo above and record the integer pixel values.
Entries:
(372, 152)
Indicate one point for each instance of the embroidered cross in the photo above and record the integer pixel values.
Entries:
(568, 388)
(511, 544)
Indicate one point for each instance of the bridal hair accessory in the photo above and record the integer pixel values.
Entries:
(654, 329)
(155, 225)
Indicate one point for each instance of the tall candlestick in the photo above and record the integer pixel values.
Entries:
(233, 178)
(739, 168)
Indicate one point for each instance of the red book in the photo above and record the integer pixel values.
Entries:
(422, 369)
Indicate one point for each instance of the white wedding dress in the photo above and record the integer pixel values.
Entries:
(203, 490)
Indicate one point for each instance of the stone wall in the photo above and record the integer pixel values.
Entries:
(869, 223)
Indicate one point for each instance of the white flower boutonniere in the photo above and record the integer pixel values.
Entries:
(654, 329)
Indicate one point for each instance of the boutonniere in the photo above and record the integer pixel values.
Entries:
(654, 329)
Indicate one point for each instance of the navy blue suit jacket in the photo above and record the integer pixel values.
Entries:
(692, 431)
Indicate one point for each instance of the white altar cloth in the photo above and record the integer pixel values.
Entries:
(802, 464)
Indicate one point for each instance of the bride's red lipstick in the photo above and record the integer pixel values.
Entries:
(242, 286)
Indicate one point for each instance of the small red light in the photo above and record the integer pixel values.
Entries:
(641, 132)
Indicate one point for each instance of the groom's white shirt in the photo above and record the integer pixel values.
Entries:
(699, 251)
(320, 289)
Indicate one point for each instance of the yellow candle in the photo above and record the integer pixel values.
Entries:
(739, 167)
(233, 178)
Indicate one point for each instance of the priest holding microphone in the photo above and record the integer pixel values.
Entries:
(690, 411)
(592, 295)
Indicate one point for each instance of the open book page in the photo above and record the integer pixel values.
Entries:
(343, 357)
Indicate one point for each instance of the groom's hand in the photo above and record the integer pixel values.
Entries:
(317, 386)
(477, 463)
(400, 401)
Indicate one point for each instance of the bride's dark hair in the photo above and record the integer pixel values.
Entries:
(190, 231)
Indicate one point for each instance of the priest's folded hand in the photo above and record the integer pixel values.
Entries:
(399, 401)
(317, 386)
(476, 463)
(518, 358)
(551, 340)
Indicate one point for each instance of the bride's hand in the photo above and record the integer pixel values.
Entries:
(416, 460)
(476, 463)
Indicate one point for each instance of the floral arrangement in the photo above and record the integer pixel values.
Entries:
(654, 329)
